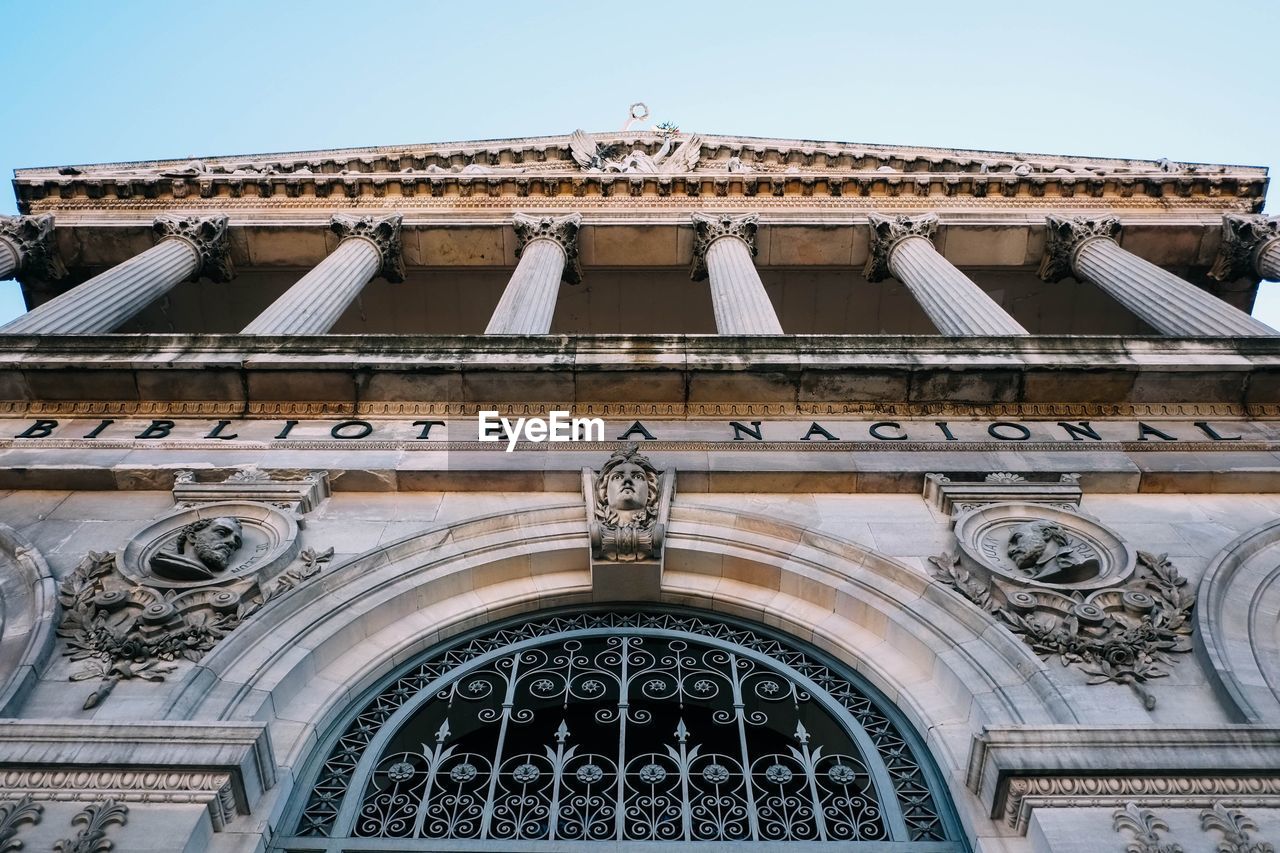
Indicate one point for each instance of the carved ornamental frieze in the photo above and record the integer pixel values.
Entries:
(36, 245)
(382, 231)
(208, 235)
(1243, 238)
(628, 503)
(561, 230)
(1065, 236)
(708, 229)
(887, 232)
(1072, 590)
(176, 588)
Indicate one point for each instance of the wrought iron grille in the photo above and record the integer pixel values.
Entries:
(622, 727)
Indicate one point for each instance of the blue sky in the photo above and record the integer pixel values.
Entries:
(95, 82)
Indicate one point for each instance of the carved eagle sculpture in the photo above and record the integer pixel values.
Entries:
(594, 157)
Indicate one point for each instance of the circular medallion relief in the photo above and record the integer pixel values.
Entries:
(211, 544)
(1037, 545)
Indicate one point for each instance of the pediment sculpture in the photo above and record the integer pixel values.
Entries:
(669, 159)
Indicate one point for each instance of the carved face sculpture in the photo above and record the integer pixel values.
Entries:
(1028, 542)
(627, 487)
(215, 542)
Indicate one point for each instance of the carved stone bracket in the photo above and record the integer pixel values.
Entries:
(955, 494)
(1065, 237)
(628, 504)
(33, 237)
(561, 230)
(175, 590)
(209, 236)
(1243, 239)
(299, 492)
(708, 229)
(94, 822)
(382, 231)
(887, 232)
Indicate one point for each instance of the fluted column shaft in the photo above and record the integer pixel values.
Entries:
(1164, 301)
(8, 258)
(722, 252)
(954, 303)
(313, 305)
(106, 301)
(738, 297)
(902, 246)
(548, 251)
(1269, 261)
(529, 302)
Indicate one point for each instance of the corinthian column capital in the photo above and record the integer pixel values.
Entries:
(382, 231)
(561, 230)
(1065, 237)
(887, 232)
(1243, 239)
(208, 235)
(708, 229)
(32, 238)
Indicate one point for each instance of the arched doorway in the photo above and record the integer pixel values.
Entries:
(619, 725)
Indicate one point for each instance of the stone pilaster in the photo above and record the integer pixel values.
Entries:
(187, 247)
(27, 245)
(1086, 248)
(722, 252)
(902, 246)
(1250, 246)
(314, 304)
(548, 253)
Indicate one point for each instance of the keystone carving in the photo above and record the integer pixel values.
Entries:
(382, 231)
(1145, 828)
(1124, 634)
(93, 823)
(708, 229)
(562, 230)
(1065, 237)
(13, 814)
(626, 496)
(592, 156)
(887, 232)
(37, 249)
(1234, 825)
(1243, 238)
(209, 236)
(125, 624)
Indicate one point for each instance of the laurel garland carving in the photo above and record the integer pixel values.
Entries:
(1122, 635)
(1145, 827)
(13, 814)
(120, 630)
(94, 822)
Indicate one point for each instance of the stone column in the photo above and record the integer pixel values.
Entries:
(27, 246)
(722, 251)
(369, 245)
(1250, 246)
(548, 253)
(1086, 248)
(902, 246)
(188, 247)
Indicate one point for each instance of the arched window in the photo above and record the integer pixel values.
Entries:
(621, 726)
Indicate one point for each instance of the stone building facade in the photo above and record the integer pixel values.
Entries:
(899, 499)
